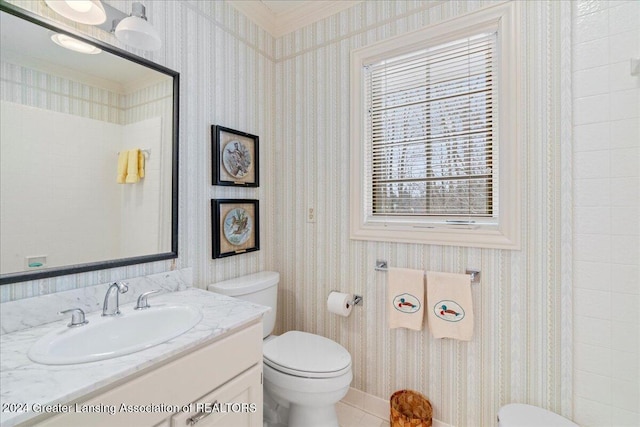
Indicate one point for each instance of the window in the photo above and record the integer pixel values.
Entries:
(429, 131)
(433, 160)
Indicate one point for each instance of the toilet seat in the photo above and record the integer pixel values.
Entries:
(521, 415)
(306, 355)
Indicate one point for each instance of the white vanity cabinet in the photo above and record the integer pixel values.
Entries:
(216, 409)
(219, 384)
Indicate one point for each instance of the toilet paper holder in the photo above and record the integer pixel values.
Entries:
(357, 299)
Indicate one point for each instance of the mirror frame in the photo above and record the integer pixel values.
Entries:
(101, 265)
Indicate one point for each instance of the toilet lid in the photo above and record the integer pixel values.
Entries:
(521, 415)
(306, 355)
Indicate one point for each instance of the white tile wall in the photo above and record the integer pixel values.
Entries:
(606, 220)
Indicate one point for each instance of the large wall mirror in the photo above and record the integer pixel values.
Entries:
(89, 154)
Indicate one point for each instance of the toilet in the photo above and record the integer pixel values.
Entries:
(305, 375)
(521, 415)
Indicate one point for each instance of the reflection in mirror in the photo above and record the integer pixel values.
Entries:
(88, 155)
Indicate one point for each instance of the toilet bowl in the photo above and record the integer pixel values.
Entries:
(309, 374)
(305, 375)
(521, 415)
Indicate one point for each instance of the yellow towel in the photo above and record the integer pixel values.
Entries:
(123, 158)
(449, 305)
(406, 298)
(140, 164)
(132, 167)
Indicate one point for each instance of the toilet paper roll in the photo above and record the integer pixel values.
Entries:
(340, 303)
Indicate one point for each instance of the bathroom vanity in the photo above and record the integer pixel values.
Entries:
(210, 375)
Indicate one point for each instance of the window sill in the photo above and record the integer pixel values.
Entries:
(478, 236)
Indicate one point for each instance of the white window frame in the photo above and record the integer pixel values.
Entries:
(504, 232)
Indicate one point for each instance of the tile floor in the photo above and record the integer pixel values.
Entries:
(349, 416)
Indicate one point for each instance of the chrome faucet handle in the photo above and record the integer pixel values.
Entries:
(142, 299)
(77, 317)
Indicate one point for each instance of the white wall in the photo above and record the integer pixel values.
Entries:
(606, 35)
(141, 203)
(153, 102)
(81, 185)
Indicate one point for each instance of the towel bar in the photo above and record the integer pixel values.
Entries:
(381, 265)
(145, 151)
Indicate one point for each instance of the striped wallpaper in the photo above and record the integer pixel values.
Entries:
(35, 88)
(519, 352)
(293, 92)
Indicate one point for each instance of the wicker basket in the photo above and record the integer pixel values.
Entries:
(410, 409)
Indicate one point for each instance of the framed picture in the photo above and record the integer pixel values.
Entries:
(236, 226)
(235, 157)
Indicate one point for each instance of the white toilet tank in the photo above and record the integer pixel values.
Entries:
(260, 288)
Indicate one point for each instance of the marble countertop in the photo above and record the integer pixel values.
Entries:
(30, 384)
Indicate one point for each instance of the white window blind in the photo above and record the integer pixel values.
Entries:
(429, 132)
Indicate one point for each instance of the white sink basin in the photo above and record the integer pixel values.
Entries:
(108, 337)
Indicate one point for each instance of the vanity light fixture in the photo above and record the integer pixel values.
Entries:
(135, 30)
(84, 11)
(74, 44)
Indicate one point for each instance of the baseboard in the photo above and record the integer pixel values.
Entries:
(374, 405)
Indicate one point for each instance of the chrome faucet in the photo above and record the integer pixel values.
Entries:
(117, 288)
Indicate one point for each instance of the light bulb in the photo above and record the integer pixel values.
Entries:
(74, 44)
(81, 6)
(84, 11)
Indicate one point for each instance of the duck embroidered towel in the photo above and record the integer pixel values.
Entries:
(449, 305)
(406, 297)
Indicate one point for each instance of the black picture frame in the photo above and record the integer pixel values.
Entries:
(235, 225)
(235, 157)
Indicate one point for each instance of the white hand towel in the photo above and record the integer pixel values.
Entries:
(406, 298)
(449, 305)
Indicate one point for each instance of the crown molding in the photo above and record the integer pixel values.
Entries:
(298, 17)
